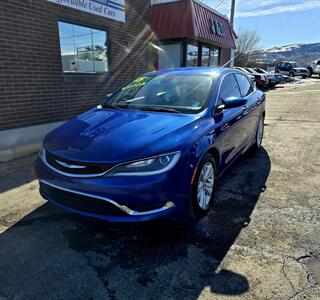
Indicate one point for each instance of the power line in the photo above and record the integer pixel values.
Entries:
(222, 2)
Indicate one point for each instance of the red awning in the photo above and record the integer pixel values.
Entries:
(191, 19)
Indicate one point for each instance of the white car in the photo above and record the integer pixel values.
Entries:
(314, 68)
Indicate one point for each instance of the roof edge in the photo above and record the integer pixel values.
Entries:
(211, 9)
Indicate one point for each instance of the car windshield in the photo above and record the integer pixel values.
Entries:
(176, 93)
(293, 65)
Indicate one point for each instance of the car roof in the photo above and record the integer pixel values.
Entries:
(192, 70)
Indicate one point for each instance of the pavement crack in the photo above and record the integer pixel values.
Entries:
(285, 273)
(303, 257)
(110, 292)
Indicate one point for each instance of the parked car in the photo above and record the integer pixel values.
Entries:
(153, 148)
(271, 77)
(261, 79)
(291, 69)
(250, 75)
(279, 78)
(314, 68)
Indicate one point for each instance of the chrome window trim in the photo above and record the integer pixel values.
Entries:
(123, 208)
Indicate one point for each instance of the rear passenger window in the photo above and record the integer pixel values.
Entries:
(229, 88)
(245, 85)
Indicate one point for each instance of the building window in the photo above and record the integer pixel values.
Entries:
(214, 57)
(170, 56)
(205, 56)
(192, 56)
(83, 49)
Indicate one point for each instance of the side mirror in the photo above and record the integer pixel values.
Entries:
(234, 102)
(231, 103)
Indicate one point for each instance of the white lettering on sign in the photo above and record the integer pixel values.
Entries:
(217, 27)
(112, 9)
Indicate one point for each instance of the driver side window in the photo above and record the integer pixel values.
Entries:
(245, 85)
(229, 88)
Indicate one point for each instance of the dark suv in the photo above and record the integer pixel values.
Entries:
(291, 69)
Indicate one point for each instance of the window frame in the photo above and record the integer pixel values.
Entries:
(76, 23)
(250, 82)
(219, 89)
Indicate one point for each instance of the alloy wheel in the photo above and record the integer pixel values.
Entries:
(205, 185)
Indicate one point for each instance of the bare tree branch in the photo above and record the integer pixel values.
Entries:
(247, 43)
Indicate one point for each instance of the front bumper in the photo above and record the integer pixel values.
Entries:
(116, 199)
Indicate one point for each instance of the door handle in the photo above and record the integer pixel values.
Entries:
(246, 110)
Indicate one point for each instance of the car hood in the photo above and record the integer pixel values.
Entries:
(103, 135)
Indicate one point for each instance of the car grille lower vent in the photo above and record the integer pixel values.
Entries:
(76, 168)
(79, 202)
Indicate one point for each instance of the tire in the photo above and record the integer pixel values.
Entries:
(203, 187)
(291, 74)
(277, 71)
(304, 77)
(259, 135)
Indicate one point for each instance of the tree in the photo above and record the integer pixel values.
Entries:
(247, 43)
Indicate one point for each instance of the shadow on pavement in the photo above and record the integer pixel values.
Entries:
(8, 173)
(51, 254)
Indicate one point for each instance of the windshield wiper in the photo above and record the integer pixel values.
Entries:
(161, 109)
(114, 106)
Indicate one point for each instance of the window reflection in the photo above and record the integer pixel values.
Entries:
(83, 49)
(192, 55)
(214, 57)
(205, 56)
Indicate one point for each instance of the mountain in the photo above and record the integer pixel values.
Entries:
(301, 53)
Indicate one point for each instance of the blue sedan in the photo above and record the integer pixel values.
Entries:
(155, 147)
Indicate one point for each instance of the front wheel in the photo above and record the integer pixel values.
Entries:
(204, 186)
(259, 134)
(291, 74)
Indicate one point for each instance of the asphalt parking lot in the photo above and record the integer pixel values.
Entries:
(261, 241)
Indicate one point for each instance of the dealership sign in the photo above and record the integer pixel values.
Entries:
(217, 27)
(112, 9)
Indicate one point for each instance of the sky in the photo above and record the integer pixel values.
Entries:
(278, 22)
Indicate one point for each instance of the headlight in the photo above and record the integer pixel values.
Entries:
(149, 166)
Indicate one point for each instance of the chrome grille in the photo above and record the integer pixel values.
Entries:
(71, 167)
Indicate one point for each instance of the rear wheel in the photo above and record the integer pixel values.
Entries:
(204, 186)
(259, 134)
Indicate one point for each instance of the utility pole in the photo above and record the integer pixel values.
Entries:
(233, 7)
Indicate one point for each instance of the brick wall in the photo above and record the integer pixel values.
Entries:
(33, 88)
